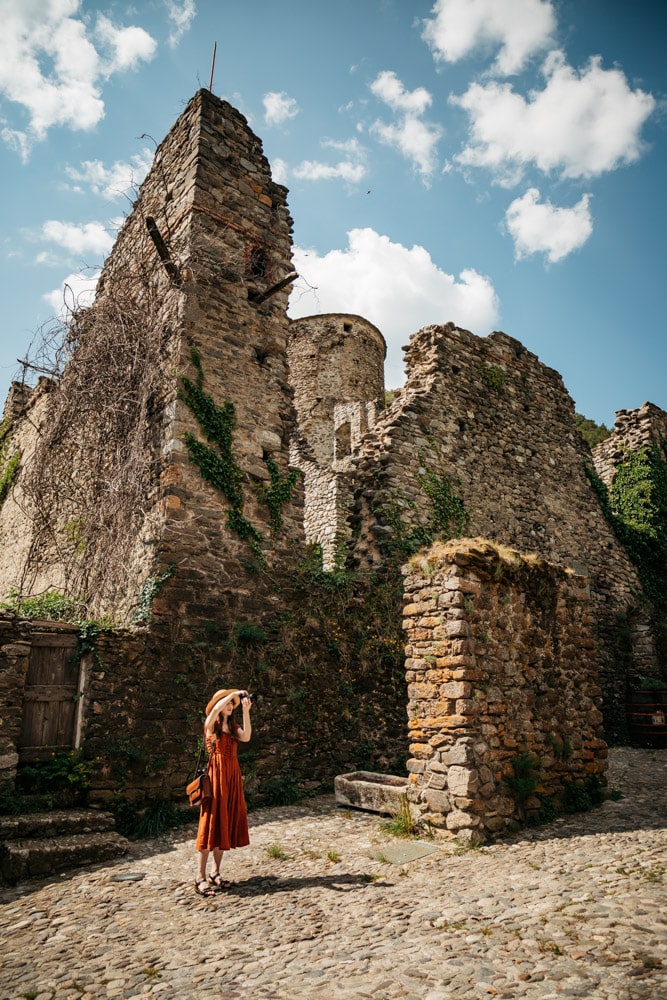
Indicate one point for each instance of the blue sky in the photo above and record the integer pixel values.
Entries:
(497, 163)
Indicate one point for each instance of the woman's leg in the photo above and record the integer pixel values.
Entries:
(201, 882)
(215, 878)
(201, 865)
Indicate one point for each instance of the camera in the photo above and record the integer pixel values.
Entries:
(246, 694)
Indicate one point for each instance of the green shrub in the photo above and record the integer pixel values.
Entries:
(64, 779)
(149, 818)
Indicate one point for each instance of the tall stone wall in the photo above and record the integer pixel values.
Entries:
(633, 429)
(26, 410)
(239, 246)
(499, 424)
(196, 261)
(504, 710)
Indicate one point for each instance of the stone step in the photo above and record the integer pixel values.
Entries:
(55, 823)
(23, 859)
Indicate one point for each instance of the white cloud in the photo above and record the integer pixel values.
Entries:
(116, 180)
(388, 88)
(543, 228)
(520, 28)
(582, 124)
(128, 46)
(91, 237)
(76, 292)
(279, 108)
(180, 17)
(279, 171)
(50, 67)
(396, 288)
(352, 169)
(410, 135)
(313, 170)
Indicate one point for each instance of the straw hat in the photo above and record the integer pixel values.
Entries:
(224, 695)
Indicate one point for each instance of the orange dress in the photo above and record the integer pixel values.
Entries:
(223, 820)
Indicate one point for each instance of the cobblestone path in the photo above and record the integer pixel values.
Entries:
(577, 908)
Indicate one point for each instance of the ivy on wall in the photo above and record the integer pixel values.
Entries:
(636, 507)
(278, 493)
(447, 516)
(493, 376)
(9, 467)
(218, 466)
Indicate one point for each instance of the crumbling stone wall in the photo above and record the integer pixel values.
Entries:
(26, 409)
(499, 424)
(207, 239)
(14, 657)
(633, 429)
(336, 366)
(502, 683)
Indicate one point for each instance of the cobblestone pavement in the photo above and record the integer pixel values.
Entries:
(573, 909)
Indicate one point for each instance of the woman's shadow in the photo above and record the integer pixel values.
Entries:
(263, 885)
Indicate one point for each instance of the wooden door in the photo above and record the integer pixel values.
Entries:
(51, 696)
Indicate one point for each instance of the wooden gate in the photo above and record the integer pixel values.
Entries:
(51, 696)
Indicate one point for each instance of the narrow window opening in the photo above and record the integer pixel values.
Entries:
(343, 442)
(347, 327)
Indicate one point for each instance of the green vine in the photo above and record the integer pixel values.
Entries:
(150, 588)
(447, 517)
(217, 465)
(277, 494)
(87, 641)
(636, 507)
(493, 376)
(8, 467)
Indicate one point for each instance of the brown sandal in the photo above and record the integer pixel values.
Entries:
(218, 882)
(206, 890)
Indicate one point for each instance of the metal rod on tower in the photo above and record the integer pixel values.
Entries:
(210, 84)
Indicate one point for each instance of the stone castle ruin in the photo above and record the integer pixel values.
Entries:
(199, 449)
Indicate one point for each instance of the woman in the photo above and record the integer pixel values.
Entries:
(223, 820)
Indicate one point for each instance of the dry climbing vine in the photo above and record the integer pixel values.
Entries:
(86, 486)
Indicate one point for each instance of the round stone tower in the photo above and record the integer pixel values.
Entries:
(336, 364)
(336, 369)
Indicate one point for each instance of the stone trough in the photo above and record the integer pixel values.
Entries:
(382, 793)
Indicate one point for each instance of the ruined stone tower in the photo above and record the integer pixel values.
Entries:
(196, 439)
(202, 267)
(337, 372)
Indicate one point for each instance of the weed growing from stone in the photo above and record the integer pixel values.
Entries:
(402, 823)
(333, 856)
(276, 852)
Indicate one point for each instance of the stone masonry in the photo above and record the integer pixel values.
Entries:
(502, 680)
(633, 429)
(499, 424)
(337, 373)
(206, 253)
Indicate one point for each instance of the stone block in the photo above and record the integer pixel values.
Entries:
(383, 793)
(458, 820)
(461, 753)
(437, 801)
(462, 781)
